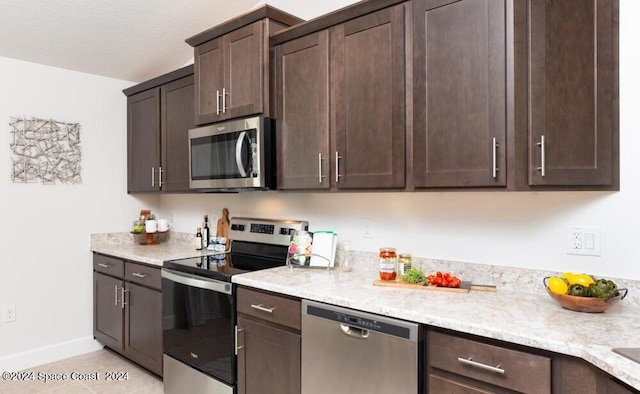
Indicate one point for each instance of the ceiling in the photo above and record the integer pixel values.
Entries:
(131, 40)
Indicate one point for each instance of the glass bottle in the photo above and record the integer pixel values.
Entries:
(199, 239)
(388, 263)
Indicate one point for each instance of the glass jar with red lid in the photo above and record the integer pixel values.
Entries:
(388, 263)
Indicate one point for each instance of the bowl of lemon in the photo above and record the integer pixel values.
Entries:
(583, 293)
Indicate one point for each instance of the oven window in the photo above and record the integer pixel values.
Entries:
(199, 329)
(214, 157)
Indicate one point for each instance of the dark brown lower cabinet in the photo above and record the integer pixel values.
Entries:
(269, 343)
(127, 316)
(107, 312)
(466, 364)
(143, 326)
(269, 360)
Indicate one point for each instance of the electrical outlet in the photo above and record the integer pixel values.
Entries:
(584, 241)
(8, 313)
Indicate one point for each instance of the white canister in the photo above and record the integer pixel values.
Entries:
(151, 226)
(163, 225)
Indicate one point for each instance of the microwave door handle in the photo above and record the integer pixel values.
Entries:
(241, 168)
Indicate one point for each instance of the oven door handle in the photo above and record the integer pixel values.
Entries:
(196, 281)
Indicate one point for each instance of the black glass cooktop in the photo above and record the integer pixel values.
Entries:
(215, 266)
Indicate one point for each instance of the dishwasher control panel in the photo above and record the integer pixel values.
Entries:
(361, 320)
(358, 321)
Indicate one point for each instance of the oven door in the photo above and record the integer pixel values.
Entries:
(198, 321)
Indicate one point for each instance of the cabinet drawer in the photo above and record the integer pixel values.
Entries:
(523, 372)
(269, 307)
(108, 265)
(143, 275)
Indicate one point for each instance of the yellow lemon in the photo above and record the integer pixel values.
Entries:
(566, 275)
(558, 285)
(581, 279)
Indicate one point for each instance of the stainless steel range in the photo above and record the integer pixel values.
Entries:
(199, 305)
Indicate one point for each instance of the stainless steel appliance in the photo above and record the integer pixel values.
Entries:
(199, 306)
(234, 155)
(347, 351)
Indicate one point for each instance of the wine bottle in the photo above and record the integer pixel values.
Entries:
(199, 239)
(206, 232)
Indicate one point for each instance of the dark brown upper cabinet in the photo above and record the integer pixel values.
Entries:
(143, 145)
(176, 99)
(459, 93)
(159, 115)
(450, 94)
(368, 96)
(232, 65)
(340, 108)
(302, 112)
(573, 93)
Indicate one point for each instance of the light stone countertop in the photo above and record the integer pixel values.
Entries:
(126, 246)
(523, 317)
(519, 312)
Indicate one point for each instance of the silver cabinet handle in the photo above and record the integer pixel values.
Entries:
(103, 265)
(338, 157)
(139, 275)
(320, 176)
(224, 100)
(116, 296)
(542, 156)
(160, 176)
(495, 158)
(153, 177)
(217, 102)
(262, 308)
(122, 292)
(237, 346)
(469, 361)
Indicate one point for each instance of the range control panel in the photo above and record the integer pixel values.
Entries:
(266, 231)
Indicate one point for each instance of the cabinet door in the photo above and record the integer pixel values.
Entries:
(269, 361)
(108, 311)
(243, 70)
(368, 95)
(177, 119)
(143, 327)
(302, 112)
(209, 82)
(572, 92)
(459, 73)
(143, 129)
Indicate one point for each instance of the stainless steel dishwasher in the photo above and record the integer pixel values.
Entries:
(348, 351)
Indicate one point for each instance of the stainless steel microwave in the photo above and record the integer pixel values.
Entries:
(233, 156)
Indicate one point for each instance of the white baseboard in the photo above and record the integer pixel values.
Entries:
(48, 354)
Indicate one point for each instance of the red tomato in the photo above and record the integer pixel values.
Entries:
(455, 282)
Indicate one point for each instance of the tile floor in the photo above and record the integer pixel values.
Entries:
(98, 364)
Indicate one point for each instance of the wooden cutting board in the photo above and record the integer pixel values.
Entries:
(465, 286)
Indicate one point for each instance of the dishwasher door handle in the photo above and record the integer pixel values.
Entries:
(354, 331)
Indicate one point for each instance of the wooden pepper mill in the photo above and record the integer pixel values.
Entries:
(222, 229)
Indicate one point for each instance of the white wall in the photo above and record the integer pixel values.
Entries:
(307, 10)
(524, 229)
(45, 262)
